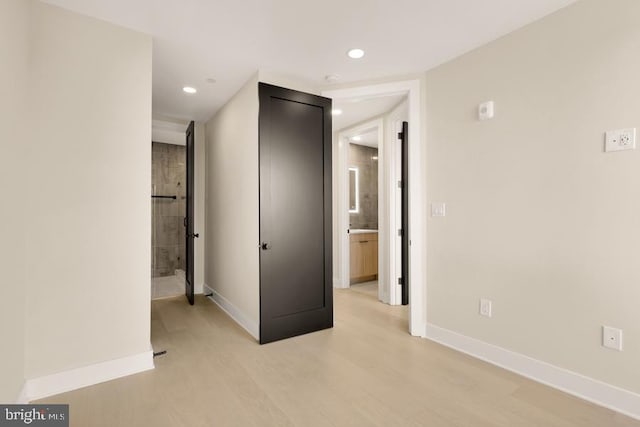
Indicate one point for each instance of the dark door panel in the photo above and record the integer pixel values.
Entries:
(404, 138)
(189, 220)
(295, 213)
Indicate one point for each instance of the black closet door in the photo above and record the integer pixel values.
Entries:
(295, 213)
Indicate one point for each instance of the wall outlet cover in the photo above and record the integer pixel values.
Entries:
(620, 140)
(612, 338)
(486, 110)
(486, 307)
(438, 209)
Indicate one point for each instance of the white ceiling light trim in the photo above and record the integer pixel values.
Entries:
(355, 53)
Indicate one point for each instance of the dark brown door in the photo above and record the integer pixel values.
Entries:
(404, 140)
(189, 219)
(295, 213)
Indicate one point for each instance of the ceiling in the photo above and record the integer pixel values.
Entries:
(231, 40)
(355, 111)
(368, 139)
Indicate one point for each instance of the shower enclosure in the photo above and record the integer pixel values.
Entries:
(168, 214)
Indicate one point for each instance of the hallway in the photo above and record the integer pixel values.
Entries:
(365, 371)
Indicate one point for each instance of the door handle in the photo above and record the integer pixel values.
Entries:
(264, 246)
(194, 235)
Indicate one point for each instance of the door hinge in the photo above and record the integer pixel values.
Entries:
(400, 135)
(400, 232)
(400, 184)
(400, 281)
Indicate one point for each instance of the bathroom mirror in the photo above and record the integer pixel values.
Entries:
(354, 204)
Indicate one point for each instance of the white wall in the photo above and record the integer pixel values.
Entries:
(539, 218)
(232, 206)
(89, 216)
(200, 205)
(14, 37)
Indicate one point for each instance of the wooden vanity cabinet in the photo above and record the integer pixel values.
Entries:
(363, 257)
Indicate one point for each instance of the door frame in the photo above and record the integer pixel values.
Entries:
(417, 191)
(342, 216)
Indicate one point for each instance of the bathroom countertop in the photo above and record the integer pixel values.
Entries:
(361, 231)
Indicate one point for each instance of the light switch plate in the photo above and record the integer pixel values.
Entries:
(486, 110)
(486, 307)
(438, 209)
(619, 140)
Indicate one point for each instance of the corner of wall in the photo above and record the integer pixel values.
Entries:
(232, 182)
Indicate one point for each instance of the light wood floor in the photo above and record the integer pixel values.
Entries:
(366, 371)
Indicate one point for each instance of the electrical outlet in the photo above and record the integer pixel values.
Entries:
(485, 307)
(486, 110)
(621, 139)
(438, 209)
(612, 338)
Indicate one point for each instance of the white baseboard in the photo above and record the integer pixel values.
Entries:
(240, 318)
(62, 382)
(594, 391)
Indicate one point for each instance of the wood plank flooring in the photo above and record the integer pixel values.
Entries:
(366, 371)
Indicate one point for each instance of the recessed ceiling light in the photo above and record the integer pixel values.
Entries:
(189, 89)
(357, 138)
(356, 53)
(210, 80)
(336, 112)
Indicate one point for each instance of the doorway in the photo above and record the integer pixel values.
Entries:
(172, 210)
(168, 209)
(364, 260)
(390, 247)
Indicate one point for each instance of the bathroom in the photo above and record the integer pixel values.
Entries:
(363, 208)
(370, 189)
(168, 210)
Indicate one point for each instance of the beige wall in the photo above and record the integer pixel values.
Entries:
(232, 203)
(539, 218)
(89, 169)
(200, 203)
(14, 37)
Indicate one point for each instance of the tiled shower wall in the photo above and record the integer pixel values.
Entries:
(168, 233)
(362, 157)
